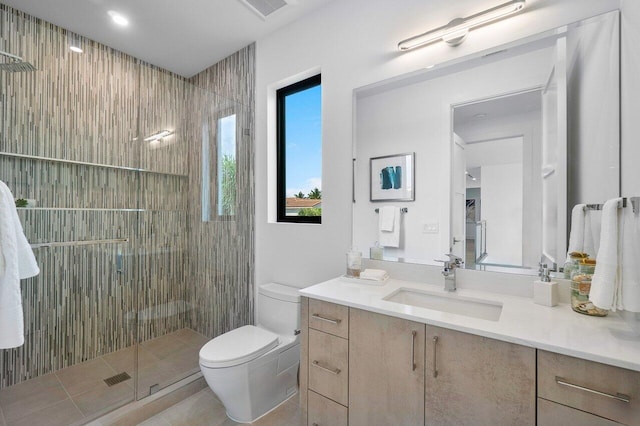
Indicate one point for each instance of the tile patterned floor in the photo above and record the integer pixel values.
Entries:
(77, 394)
(204, 409)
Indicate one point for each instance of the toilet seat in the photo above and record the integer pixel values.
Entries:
(237, 347)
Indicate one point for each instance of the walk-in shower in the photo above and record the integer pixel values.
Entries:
(105, 154)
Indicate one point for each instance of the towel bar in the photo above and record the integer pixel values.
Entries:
(402, 210)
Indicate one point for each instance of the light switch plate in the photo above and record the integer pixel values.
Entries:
(430, 228)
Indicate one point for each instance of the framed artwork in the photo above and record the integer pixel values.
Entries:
(393, 178)
(471, 210)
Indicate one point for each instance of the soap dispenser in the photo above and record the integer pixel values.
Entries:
(545, 291)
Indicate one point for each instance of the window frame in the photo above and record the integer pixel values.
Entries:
(213, 133)
(281, 95)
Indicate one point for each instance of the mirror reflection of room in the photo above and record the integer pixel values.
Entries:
(538, 121)
(494, 134)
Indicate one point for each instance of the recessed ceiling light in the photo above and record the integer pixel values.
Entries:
(118, 18)
(480, 115)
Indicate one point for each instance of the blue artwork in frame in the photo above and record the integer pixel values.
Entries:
(392, 178)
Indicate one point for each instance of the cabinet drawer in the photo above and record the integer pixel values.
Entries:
(324, 412)
(603, 390)
(329, 366)
(329, 317)
(552, 414)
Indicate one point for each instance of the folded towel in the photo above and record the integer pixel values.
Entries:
(604, 291)
(17, 262)
(374, 275)
(387, 217)
(389, 238)
(629, 299)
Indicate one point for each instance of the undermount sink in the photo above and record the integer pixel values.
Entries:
(451, 303)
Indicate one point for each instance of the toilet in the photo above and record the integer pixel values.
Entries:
(253, 369)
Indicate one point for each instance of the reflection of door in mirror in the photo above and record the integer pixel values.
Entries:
(459, 198)
(503, 150)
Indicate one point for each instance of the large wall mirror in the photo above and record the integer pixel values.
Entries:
(505, 143)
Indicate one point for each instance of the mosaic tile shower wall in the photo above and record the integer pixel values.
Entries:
(173, 271)
(223, 275)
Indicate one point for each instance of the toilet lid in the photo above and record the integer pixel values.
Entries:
(237, 347)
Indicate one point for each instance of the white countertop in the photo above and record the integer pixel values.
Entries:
(609, 340)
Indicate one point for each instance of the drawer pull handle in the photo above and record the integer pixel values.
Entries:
(435, 360)
(335, 371)
(331, 320)
(618, 396)
(413, 350)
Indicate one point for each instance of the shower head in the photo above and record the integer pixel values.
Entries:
(13, 63)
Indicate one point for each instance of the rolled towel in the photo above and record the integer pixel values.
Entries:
(604, 290)
(629, 294)
(374, 275)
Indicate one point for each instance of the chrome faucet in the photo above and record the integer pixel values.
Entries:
(449, 271)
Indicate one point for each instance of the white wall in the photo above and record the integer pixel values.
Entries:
(502, 209)
(353, 43)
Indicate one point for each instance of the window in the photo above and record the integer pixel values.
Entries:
(225, 168)
(299, 142)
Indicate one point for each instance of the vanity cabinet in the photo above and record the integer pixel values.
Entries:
(476, 380)
(324, 371)
(601, 393)
(386, 370)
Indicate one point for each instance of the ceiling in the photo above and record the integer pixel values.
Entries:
(183, 36)
(504, 106)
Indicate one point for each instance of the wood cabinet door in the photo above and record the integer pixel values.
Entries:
(477, 380)
(386, 370)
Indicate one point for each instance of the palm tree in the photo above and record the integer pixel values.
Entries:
(315, 194)
(299, 195)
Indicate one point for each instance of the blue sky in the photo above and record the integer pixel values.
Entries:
(304, 141)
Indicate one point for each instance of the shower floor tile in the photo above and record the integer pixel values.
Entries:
(85, 377)
(78, 393)
(31, 396)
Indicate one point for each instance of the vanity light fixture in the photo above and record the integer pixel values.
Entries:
(74, 43)
(456, 31)
(118, 18)
(158, 136)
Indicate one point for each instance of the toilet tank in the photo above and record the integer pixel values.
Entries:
(279, 308)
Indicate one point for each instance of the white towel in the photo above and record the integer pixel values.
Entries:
(17, 262)
(387, 217)
(374, 275)
(605, 286)
(629, 299)
(389, 238)
(581, 235)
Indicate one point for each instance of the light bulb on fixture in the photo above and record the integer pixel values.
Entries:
(158, 136)
(118, 18)
(74, 43)
(456, 31)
